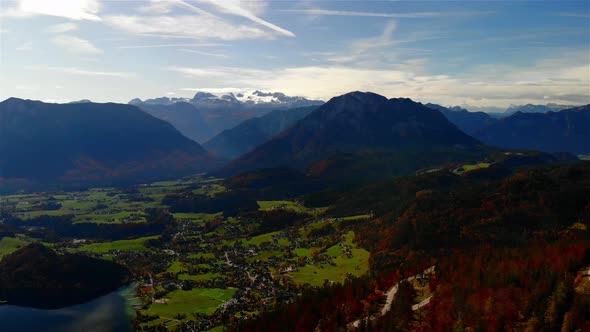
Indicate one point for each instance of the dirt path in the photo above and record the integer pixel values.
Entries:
(391, 296)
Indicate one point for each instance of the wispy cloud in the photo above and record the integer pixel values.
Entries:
(76, 45)
(84, 72)
(367, 51)
(185, 26)
(169, 45)
(63, 27)
(236, 7)
(564, 77)
(70, 9)
(211, 54)
(325, 12)
(156, 20)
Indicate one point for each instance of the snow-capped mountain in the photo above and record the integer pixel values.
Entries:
(254, 99)
(218, 111)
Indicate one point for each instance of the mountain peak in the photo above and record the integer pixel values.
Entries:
(362, 97)
(203, 95)
(353, 122)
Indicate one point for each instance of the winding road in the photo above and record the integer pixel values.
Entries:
(391, 296)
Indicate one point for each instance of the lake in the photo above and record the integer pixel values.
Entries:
(110, 313)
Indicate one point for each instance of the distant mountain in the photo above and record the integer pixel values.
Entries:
(225, 111)
(183, 116)
(530, 108)
(563, 131)
(81, 101)
(469, 122)
(91, 143)
(358, 123)
(496, 112)
(232, 143)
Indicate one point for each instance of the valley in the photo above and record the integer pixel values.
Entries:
(294, 166)
(206, 269)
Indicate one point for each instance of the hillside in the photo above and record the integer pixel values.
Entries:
(509, 251)
(37, 276)
(87, 143)
(469, 122)
(563, 131)
(358, 122)
(183, 116)
(234, 142)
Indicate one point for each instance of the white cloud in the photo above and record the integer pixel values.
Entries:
(84, 72)
(325, 12)
(169, 45)
(76, 45)
(211, 54)
(63, 27)
(384, 40)
(369, 52)
(219, 90)
(240, 8)
(157, 7)
(70, 9)
(185, 26)
(200, 24)
(565, 78)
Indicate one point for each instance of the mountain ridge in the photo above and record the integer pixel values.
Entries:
(352, 122)
(562, 131)
(91, 142)
(238, 140)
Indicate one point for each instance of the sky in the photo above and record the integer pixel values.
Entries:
(479, 53)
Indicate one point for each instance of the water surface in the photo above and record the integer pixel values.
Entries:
(109, 313)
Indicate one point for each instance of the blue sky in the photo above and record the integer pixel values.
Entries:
(492, 53)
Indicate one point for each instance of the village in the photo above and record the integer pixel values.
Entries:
(238, 277)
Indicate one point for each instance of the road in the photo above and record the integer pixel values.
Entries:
(391, 296)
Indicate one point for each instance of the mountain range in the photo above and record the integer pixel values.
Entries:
(362, 132)
(530, 108)
(234, 142)
(91, 142)
(564, 131)
(357, 122)
(469, 122)
(227, 110)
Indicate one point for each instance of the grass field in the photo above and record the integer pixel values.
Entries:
(121, 206)
(315, 274)
(468, 168)
(176, 267)
(287, 205)
(198, 217)
(201, 300)
(104, 247)
(10, 244)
